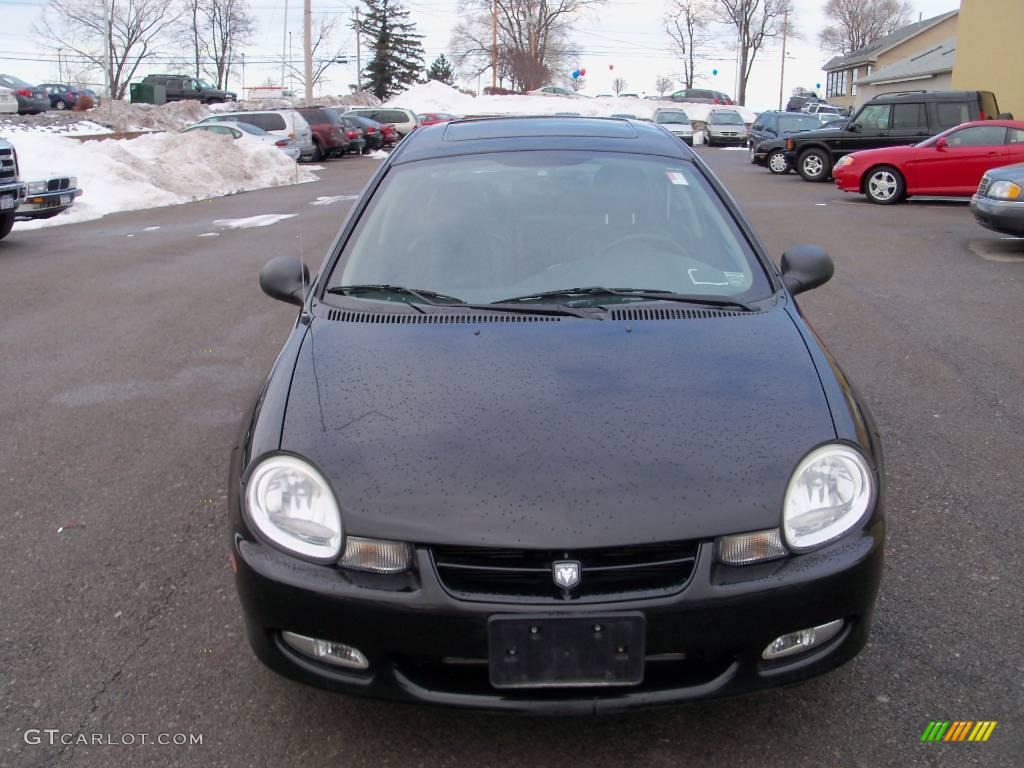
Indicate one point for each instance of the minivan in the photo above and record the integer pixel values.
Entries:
(282, 122)
(404, 120)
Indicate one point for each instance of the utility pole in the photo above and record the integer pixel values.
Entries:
(359, 58)
(307, 47)
(494, 44)
(243, 74)
(782, 69)
(291, 68)
(284, 44)
(107, 13)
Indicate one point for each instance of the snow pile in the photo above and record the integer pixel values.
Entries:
(152, 170)
(54, 128)
(435, 96)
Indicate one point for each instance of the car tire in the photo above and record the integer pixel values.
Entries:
(777, 162)
(215, 101)
(814, 165)
(61, 104)
(318, 154)
(884, 185)
(6, 222)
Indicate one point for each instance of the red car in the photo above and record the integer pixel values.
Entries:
(432, 118)
(948, 165)
(389, 134)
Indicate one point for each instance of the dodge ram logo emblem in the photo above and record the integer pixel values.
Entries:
(566, 573)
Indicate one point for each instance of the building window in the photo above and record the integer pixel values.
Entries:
(853, 82)
(835, 83)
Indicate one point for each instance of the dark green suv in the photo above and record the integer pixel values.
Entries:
(886, 121)
(183, 88)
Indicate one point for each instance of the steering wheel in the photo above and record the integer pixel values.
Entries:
(638, 237)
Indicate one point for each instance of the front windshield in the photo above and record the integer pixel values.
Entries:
(487, 227)
(673, 118)
(727, 118)
(794, 123)
(203, 84)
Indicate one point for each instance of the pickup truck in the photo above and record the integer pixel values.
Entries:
(12, 190)
(184, 88)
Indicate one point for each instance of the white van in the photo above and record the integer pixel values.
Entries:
(404, 120)
(280, 122)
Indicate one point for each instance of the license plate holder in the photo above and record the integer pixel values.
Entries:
(6, 203)
(545, 651)
(65, 199)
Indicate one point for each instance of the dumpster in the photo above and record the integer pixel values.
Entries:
(147, 93)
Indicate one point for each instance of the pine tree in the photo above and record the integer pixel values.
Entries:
(442, 70)
(397, 53)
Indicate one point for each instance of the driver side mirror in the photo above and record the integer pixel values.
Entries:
(805, 267)
(286, 279)
(941, 145)
(853, 127)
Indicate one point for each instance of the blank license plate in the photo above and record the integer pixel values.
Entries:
(65, 199)
(6, 203)
(565, 652)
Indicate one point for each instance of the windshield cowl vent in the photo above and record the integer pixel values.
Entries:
(642, 313)
(347, 316)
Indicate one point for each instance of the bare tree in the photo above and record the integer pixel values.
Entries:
(229, 26)
(858, 23)
(325, 53)
(755, 22)
(686, 23)
(532, 33)
(663, 84)
(619, 85)
(138, 29)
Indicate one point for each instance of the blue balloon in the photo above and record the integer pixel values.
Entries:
(575, 74)
(714, 71)
(817, 85)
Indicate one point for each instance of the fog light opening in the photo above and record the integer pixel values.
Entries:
(802, 641)
(326, 651)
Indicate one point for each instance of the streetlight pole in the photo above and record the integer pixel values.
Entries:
(307, 48)
(284, 44)
(782, 69)
(359, 57)
(108, 13)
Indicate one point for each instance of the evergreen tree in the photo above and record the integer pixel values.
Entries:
(397, 53)
(442, 70)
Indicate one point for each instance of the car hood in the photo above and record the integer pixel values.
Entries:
(538, 434)
(888, 154)
(1007, 173)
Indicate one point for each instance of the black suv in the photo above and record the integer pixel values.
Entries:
(885, 121)
(768, 133)
(183, 87)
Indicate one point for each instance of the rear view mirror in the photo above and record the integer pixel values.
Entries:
(285, 278)
(805, 267)
(941, 145)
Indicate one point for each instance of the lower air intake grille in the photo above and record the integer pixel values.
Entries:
(527, 575)
(345, 316)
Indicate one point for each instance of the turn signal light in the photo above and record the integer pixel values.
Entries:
(376, 556)
(750, 548)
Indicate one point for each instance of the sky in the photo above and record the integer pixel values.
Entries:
(625, 34)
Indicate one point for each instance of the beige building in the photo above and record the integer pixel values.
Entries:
(931, 70)
(988, 50)
(843, 73)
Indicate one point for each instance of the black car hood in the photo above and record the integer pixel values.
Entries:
(575, 433)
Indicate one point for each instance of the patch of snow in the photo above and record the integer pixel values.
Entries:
(735, 149)
(150, 229)
(260, 220)
(76, 128)
(378, 154)
(152, 170)
(435, 96)
(210, 234)
(334, 199)
(315, 168)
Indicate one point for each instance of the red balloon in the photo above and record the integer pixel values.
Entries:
(583, 72)
(611, 66)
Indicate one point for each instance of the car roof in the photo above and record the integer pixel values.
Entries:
(923, 96)
(473, 136)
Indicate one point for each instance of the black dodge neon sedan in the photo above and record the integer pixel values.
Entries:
(550, 434)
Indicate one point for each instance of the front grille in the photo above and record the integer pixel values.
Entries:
(983, 187)
(526, 575)
(7, 169)
(57, 185)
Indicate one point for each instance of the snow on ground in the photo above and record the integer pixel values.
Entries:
(322, 200)
(152, 170)
(435, 96)
(259, 220)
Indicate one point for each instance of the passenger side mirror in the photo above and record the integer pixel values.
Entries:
(805, 267)
(286, 279)
(941, 145)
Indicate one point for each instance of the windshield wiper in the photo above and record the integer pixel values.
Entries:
(635, 293)
(418, 296)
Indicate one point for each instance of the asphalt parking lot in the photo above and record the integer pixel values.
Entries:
(131, 346)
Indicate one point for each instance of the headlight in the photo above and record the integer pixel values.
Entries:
(830, 492)
(1004, 190)
(36, 187)
(844, 161)
(293, 506)
(73, 182)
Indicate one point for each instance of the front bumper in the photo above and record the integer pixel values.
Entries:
(12, 195)
(736, 138)
(425, 645)
(47, 204)
(1005, 216)
(846, 179)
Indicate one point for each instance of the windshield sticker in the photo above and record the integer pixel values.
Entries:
(676, 177)
(735, 278)
(695, 281)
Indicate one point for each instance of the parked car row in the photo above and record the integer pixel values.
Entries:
(23, 201)
(31, 99)
(897, 145)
